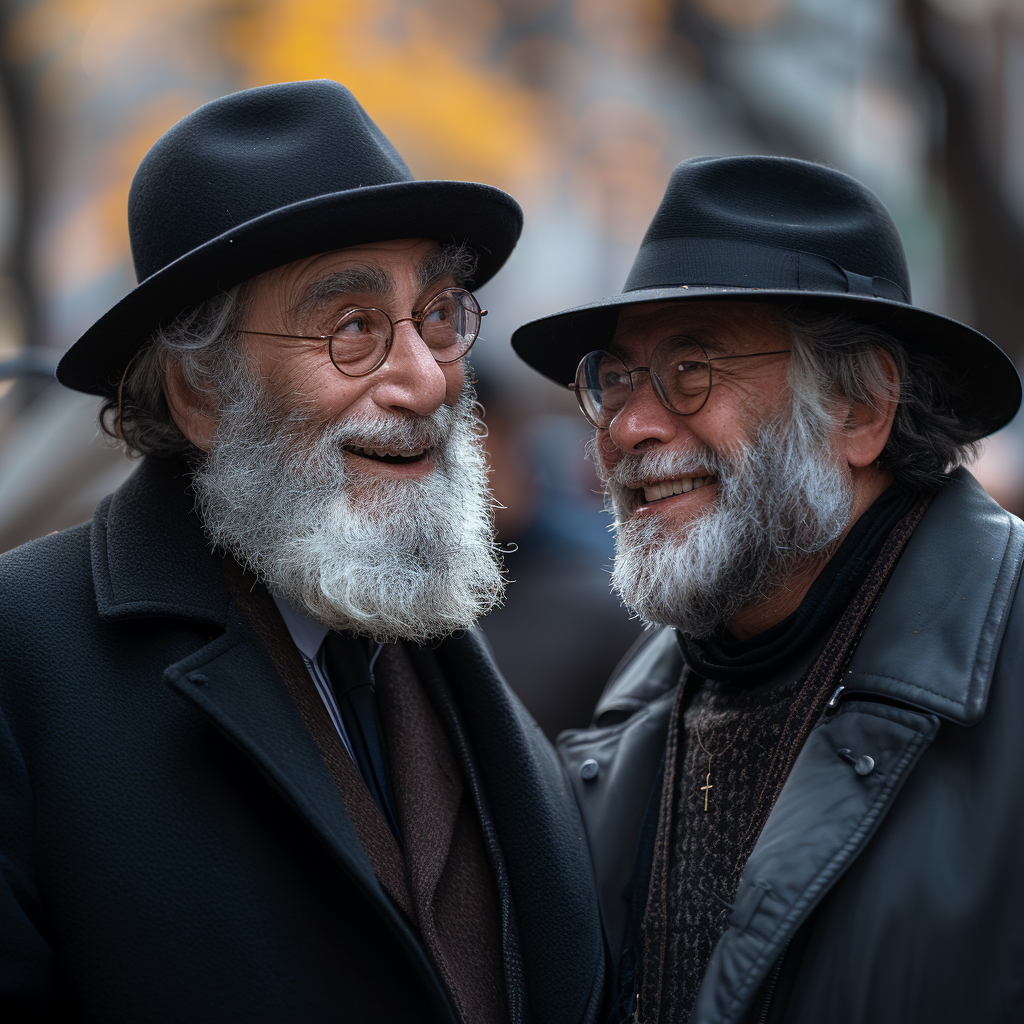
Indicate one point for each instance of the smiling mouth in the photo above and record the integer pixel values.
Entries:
(662, 489)
(391, 457)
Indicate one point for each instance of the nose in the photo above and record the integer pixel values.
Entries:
(411, 380)
(643, 422)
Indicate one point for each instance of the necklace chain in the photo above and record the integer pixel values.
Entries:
(707, 787)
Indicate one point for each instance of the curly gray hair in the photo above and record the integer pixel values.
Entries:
(205, 343)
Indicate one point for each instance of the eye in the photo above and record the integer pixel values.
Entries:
(691, 366)
(354, 326)
(612, 379)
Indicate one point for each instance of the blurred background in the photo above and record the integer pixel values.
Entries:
(579, 108)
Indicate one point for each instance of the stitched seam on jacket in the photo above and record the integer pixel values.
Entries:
(906, 682)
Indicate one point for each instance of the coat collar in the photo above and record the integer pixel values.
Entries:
(933, 639)
(149, 554)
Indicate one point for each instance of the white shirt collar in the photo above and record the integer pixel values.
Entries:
(307, 633)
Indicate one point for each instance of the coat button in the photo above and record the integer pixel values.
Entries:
(589, 770)
(863, 765)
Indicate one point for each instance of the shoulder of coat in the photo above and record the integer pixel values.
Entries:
(649, 670)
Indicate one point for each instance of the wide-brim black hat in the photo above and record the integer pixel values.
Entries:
(261, 178)
(774, 229)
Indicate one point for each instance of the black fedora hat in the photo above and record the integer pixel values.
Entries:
(261, 178)
(758, 228)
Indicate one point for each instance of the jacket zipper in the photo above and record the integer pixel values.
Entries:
(773, 980)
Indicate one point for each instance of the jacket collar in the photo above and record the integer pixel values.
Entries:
(933, 639)
(931, 642)
(149, 554)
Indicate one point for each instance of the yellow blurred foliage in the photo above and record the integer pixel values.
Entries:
(457, 97)
(419, 70)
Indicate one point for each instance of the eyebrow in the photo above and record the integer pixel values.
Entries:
(712, 346)
(448, 261)
(368, 280)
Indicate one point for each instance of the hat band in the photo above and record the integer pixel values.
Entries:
(671, 262)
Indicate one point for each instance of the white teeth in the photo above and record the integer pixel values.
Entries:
(413, 453)
(666, 488)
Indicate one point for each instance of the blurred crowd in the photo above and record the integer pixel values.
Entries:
(580, 108)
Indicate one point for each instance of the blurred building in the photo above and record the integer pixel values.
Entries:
(580, 108)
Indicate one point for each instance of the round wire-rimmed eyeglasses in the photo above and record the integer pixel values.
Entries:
(680, 371)
(361, 341)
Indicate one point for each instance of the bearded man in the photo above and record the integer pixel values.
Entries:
(255, 764)
(803, 794)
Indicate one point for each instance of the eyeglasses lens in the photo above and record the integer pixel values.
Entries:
(603, 387)
(450, 324)
(360, 341)
(681, 373)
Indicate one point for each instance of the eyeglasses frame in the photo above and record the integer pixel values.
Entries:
(414, 319)
(656, 383)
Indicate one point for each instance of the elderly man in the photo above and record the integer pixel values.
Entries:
(804, 794)
(255, 765)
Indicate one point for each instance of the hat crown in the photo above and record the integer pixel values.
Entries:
(781, 203)
(248, 154)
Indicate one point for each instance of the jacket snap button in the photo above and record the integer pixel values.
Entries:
(197, 679)
(863, 765)
(589, 770)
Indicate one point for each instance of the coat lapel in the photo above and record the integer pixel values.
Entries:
(929, 653)
(150, 558)
(233, 682)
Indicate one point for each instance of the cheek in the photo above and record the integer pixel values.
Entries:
(608, 452)
(455, 380)
(315, 382)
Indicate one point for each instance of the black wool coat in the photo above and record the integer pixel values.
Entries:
(172, 847)
(891, 897)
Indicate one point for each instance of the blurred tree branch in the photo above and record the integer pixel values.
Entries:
(992, 237)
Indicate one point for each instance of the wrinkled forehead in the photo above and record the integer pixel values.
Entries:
(373, 267)
(721, 327)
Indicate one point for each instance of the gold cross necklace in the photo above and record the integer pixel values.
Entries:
(707, 787)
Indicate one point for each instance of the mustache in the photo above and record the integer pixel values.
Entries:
(296, 436)
(433, 431)
(636, 468)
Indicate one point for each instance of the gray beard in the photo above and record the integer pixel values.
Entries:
(783, 498)
(388, 559)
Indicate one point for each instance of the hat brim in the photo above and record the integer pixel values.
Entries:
(482, 217)
(987, 378)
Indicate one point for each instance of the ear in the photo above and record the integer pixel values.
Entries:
(867, 427)
(193, 412)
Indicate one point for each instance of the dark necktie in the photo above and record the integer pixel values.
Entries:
(351, 676)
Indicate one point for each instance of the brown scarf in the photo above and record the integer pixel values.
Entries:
(442, 880)
(813, 692)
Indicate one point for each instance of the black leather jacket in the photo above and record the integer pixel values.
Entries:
(903, 888)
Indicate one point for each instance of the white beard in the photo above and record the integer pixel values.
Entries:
(782, 498)
(390, 559)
